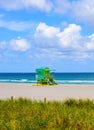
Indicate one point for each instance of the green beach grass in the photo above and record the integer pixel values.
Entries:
(25, 114)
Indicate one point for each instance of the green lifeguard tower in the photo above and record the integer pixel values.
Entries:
(43, 76)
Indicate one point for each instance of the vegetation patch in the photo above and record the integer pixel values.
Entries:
(25, 114)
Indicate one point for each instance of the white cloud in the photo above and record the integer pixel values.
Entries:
(90, 42)
(78, 10)
(83, 10)
(53, 53)
(16, 26)
(44, 5)
(46, 35)
(69, 42)
(10, 4)
(53, 42)
(62, 6)
(19, 44)
(46, 31)
(70, 37)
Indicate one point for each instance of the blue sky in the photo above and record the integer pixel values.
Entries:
(55, 33)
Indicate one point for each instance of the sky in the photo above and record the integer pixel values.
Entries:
(47, 33)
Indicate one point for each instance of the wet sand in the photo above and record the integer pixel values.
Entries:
(56, 92)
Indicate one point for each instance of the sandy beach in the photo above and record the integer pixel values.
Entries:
(57, 92)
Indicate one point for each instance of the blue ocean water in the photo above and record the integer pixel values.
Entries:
(61, 78)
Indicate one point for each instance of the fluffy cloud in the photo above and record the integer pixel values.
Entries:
(90, 42)
(46, 35)
(46, 31)
(19, 44)
(53, 42)
(44, 5)
(70, 37)
(69, 42)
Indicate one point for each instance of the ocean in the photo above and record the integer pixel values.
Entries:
(60, 78)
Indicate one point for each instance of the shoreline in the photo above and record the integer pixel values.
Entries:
(54, 92)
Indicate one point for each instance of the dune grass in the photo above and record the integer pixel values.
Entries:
(24, 114)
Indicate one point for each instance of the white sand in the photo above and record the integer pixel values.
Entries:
(58, 92)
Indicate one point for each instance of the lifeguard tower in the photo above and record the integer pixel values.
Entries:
(43, 76)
